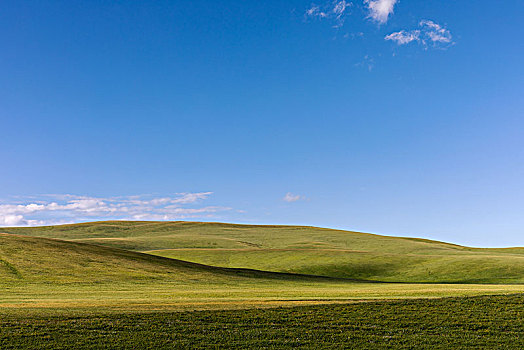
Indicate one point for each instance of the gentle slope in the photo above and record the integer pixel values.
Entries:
(298, 249)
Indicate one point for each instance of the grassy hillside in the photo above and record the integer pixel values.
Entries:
(296, 249)
(41, 275)
(42, 260)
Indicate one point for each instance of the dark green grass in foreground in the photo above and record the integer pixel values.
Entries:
(494, 322)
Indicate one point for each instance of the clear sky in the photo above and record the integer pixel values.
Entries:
(394, 117)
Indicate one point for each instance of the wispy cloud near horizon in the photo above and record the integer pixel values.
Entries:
(290, 197)
(62, 209)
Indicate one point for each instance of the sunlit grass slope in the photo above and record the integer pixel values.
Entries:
(49, 261)
(297, 249)
(47, 276)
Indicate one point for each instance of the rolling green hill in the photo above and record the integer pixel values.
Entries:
(49, 276)
(50, 261)
(298, 249)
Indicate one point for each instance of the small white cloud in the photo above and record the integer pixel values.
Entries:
(335, 10)
(404, 37)
(17, 221)
(429, 33)
(191, 197)
(380, 10)
(339, 8)
(314, 11)
(290, 197)
(435, 32)
(12, 220)
(176, 213)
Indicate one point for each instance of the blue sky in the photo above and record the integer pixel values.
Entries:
(393, 117)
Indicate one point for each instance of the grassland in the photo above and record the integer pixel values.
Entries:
(119, 285)
(42, 276)
(493, 322)
(302, 250)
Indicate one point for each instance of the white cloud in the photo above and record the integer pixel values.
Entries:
(435, 32)
(12, 220)
(404, 37)
(339, 8)
(17, 220)
(176, 213)
(335, 10)
(429, 33)
(314, 11)
(52, 209)
(380, 10)
(290, 197)
(192, 197)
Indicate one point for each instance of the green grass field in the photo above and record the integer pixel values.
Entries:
(305, 250)
(89, 285)
(452, 323)
(43, 275)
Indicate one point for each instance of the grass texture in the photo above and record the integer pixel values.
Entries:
(493, 322)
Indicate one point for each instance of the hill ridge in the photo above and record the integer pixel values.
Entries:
(231, 224)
